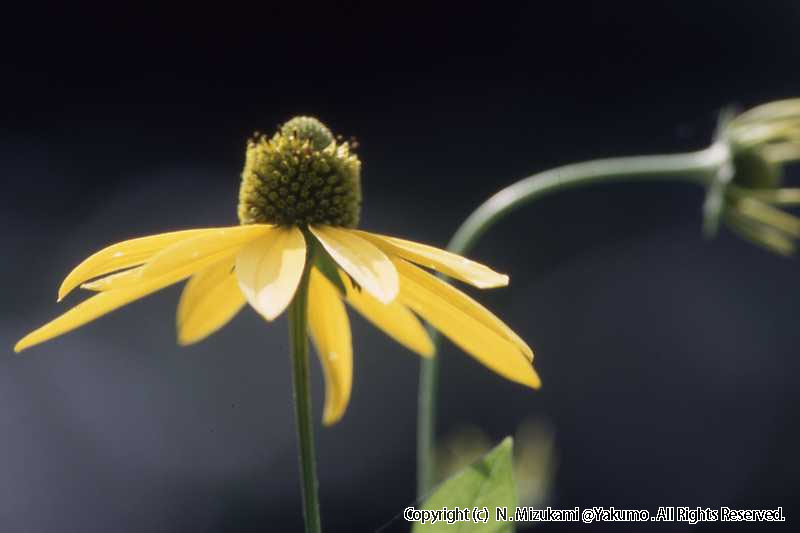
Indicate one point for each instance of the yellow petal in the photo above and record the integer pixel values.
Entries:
(393, 318)
(769, 216)
(269, 270)
(330, 331)
(760, 234)
(122, 255)
(442, 261)
(367, 265)
(195, 254)
(113, 281)
(466, 323)
(94, 307)
(210, 299)
(462, 302)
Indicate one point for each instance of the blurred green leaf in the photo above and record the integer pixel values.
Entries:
(485, 484)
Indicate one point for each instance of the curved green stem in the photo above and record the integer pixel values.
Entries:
(695, 167)
(298, 322)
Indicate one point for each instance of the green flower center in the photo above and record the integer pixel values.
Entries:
(753, 170)
(300, 176)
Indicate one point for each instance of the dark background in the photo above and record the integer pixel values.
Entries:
(669, 362)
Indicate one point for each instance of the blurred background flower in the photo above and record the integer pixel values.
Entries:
(748, 195)
(535, 459)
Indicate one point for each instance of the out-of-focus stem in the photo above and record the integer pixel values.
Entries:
(695, 167)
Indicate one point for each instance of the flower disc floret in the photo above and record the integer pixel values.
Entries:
(300, 176)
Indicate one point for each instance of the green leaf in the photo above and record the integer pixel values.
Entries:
(487, 483)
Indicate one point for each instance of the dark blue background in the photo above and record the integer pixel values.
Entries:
(669, 362)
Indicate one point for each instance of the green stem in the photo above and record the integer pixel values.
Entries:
(298, 322)
(695, 167)
(426, 420)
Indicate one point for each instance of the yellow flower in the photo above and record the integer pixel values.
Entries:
(299, 204)
(747, 195)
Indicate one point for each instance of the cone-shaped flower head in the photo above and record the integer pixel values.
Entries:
(300, 176)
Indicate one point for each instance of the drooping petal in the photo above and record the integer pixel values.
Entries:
(367, 265)
(269, 270)
(121, 255)
(466, 323)
(442, 261)
(462, 302)
(195, 254)
(330, 331)
(760, 234)
(769, 216)
(209, 300)
(94, 307)
(393, 318)
(113, 281)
